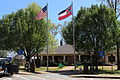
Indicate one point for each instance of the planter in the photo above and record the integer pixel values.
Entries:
(32, 67)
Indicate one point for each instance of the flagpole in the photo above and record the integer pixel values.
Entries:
(47, 38)
(73, 37)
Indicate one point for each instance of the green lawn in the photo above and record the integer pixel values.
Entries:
(102, 70)
(41, 69)
(45, 68)
(100, 67)
(105, 69)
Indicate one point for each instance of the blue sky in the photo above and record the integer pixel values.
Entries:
(54, 7)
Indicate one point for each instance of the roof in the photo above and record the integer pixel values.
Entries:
(64, 49)
(19, 57)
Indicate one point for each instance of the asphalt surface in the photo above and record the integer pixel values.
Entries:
(54, 76)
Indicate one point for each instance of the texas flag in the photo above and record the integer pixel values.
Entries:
(65, 13)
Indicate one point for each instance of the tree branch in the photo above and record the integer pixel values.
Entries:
(118, 15)
(108, 1)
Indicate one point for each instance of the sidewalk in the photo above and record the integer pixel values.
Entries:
(67, 68)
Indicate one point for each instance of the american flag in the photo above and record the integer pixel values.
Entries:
(42, 13)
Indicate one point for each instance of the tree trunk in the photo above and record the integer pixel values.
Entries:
(27, 64)
(96, 61)
(92, 64)
(85, 68)
(96, 68)
(37, 61)
(96, 64)
(118, 59)
(28, 59)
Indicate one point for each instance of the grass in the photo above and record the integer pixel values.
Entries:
(100, 67)
(106, 69)
(109, 72)
(112, 68)
(45, 68)
(22, 69)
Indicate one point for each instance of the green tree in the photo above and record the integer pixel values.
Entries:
(23, 32)
(3, 53)
(115, 5)
(53, 31)
(93, 31)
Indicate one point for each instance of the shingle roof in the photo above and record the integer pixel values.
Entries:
(65, 49)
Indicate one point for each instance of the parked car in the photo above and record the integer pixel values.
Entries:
(5, 67)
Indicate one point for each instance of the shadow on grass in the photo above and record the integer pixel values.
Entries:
(103, 77)
(72, 72)
(69, 72)
(24, 72)
(109, 72)
(66, 72)
(89, 75)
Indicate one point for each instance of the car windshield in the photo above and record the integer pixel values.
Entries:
(3, 61)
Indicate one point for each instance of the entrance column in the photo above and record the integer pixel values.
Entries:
(53, 58)
(79, 57)
(41, 58)
(64, 58)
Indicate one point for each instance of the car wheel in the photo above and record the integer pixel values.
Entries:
(11, 73)
(5, 71)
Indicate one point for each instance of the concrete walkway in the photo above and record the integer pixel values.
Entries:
(67, 68)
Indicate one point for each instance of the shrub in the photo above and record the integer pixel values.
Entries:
(60, 65)
(65, 63)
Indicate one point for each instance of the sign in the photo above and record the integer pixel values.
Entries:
(20, 52)
(101, 53)
(9, 58)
